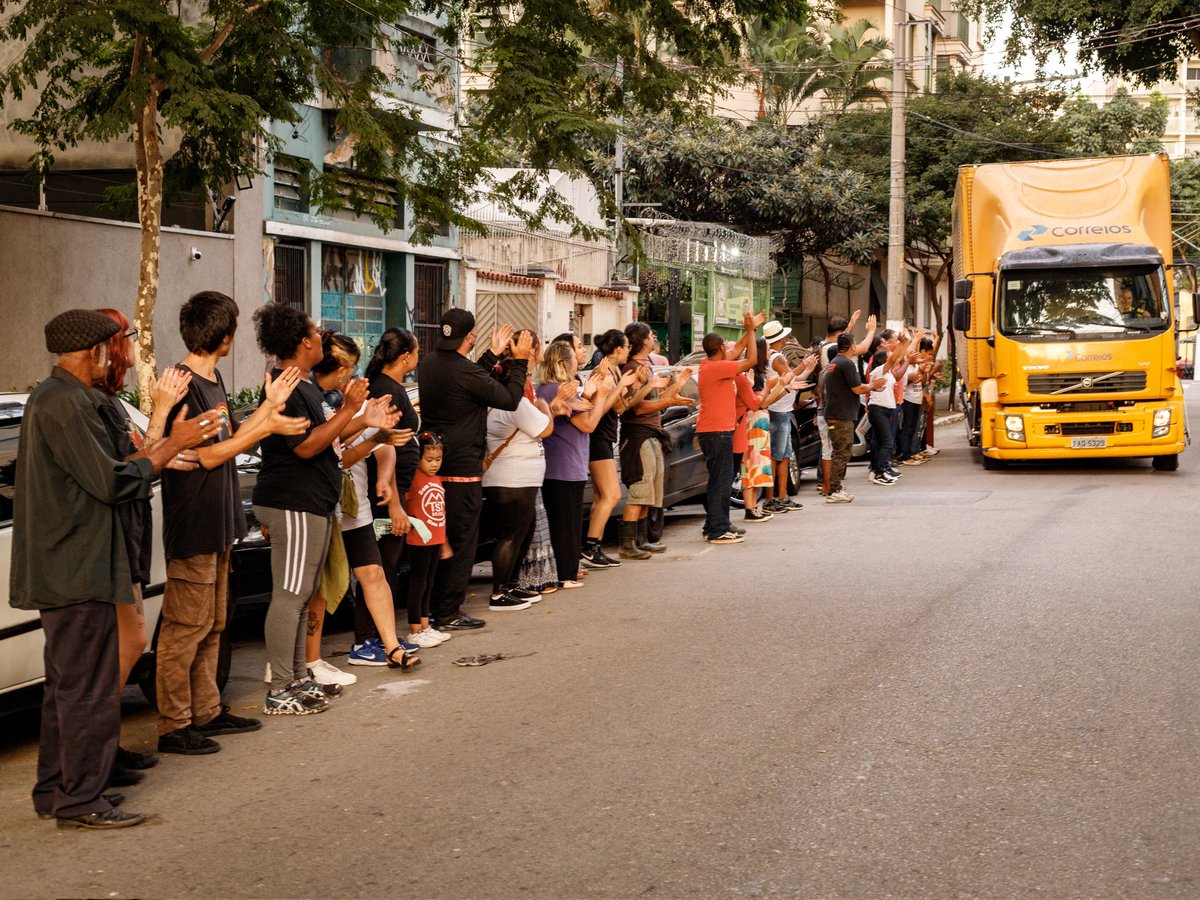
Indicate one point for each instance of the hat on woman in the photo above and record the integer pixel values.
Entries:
(775, 331)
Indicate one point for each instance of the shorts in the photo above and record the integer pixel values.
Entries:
(823, 431)
(781, 435)
(649, 491)
(361, 547)
(600, 449)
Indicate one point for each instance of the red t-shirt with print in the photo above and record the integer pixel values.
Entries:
(426, 500)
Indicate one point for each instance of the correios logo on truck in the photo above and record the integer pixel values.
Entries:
(1074, 231)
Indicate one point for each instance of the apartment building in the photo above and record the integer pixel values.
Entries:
(1182, 134)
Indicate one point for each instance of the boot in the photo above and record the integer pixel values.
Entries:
(643, 539)
(629, 548)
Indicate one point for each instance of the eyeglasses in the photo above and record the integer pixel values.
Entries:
(131, 334)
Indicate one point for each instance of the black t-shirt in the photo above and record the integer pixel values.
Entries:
(286, 481)
(202, 509)
(135, 515)
(841, 402)
(407, 456)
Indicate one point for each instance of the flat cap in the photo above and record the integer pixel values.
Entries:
(78, 329)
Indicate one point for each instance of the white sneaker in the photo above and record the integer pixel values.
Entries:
(423, 639)
(442, 636)
(839, 497)
(571, 585)
(324, 673)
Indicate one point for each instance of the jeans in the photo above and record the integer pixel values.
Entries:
(717, 447)
(910, 418)
(881, 437)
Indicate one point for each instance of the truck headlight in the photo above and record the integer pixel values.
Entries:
(1015, 425)
(1162, 423)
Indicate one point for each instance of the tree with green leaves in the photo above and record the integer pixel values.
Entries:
(194, 85)
(852, 69)
(760, 179)
(967, 120)
(1140, 40)
(784, 62)
(1120, 126)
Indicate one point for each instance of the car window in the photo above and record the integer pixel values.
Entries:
(10, 433)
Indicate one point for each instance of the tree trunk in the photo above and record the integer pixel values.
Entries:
(828, 287)
(148, 151)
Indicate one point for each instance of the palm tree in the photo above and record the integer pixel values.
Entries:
(785, 60)
(851, 67)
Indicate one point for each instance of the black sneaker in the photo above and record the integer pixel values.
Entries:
(775, 506)
(593, 557)
(507, 601)
(290, 702)
(790, 503)
(600, 554)
(753, 515)
(131, 759)
(737, 530)
(522, 594)
(227, 723)
(459, 622)
(311, 688)
(186, 742)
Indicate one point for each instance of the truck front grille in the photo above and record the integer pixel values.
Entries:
(1073, 383)
(1078, 428)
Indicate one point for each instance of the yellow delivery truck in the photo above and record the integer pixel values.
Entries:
(1063, 308)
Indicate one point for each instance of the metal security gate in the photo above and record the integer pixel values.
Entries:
(429, 301)
(518, 308)
(352, 293)
(291, 264)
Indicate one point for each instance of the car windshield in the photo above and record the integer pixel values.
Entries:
(1082, 304)
(10, 433)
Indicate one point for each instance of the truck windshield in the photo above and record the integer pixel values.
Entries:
(1082, 304)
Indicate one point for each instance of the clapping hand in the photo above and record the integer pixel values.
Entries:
(170, 388)
(355, 393)
(189, 433)
(278, 390)
(627, 380)
(278, 423)
(397, 438)
(185, 461)
(501, 338)
(522, 347)
(379, 413)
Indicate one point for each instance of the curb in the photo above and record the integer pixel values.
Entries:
(948, 419)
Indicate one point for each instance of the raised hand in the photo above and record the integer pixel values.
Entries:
(278, 423)
(170, 387)
(278, 390)
(872, 321)
(660, 382)
(522, 347)
(758, 319)
(854, 318)
(501, 338)
(355, 393)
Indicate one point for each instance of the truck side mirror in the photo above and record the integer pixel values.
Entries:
(963, 289)
(962, 314)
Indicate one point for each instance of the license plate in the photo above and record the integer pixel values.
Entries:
(1089, 443)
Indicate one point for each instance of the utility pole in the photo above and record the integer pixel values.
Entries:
(618, 183)
(895, 270)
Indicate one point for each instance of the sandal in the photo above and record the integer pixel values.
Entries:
(407, 661)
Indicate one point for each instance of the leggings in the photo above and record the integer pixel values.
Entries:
(299, 545)
(513, 511)
(564, 515)
(423, 563)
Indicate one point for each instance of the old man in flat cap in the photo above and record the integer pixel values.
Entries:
(69, 564)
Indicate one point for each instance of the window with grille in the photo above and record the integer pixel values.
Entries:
(285, 173)
(291, 267)
(374, 190)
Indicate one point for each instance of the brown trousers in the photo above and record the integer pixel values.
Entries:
(189, 640)
(841, 435)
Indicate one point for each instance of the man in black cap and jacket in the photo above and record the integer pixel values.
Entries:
(69, 564)
(455, 397)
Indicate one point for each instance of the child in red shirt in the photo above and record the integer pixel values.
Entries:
(425, 504)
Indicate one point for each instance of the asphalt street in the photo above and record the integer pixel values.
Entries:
(969, 684)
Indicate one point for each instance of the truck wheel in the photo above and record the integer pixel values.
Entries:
(1165, 463)
(994, 465)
